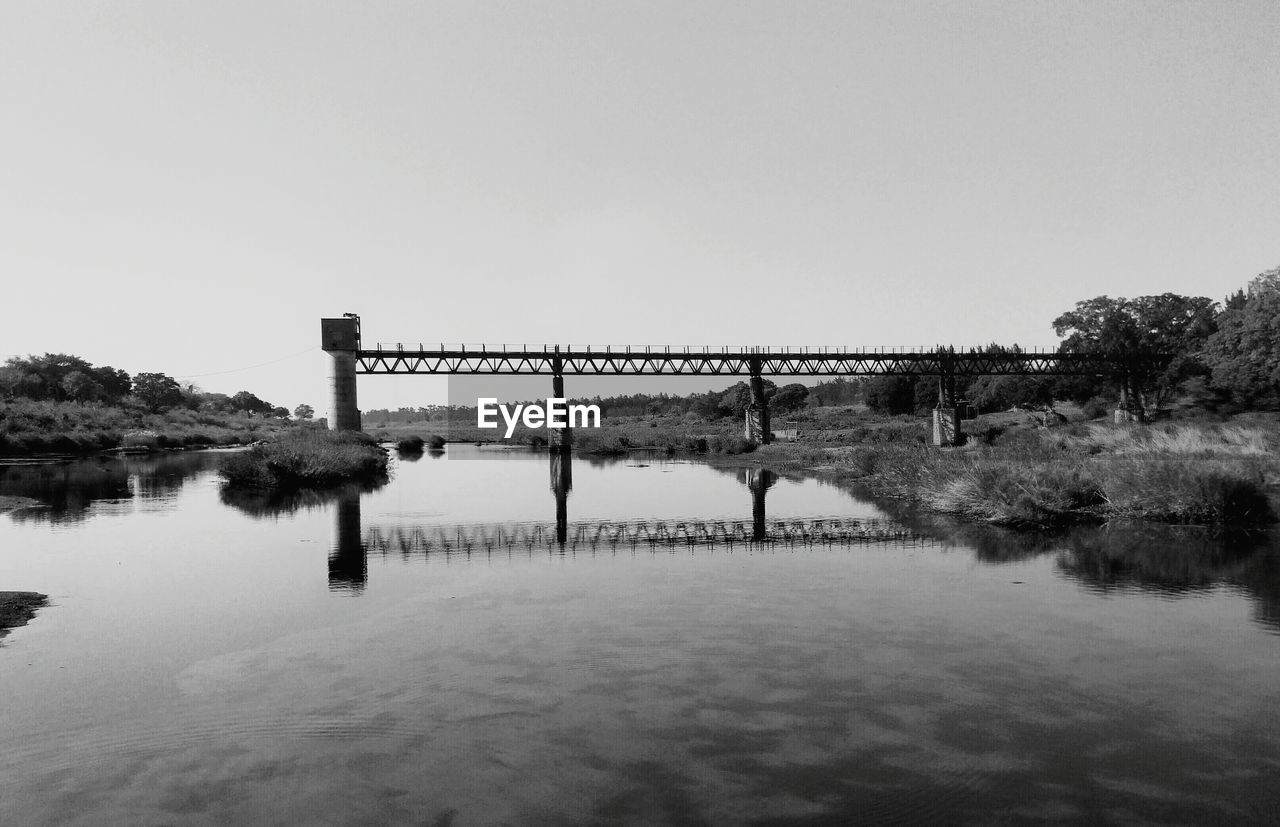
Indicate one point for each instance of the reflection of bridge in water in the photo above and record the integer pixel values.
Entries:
(353, 542)
(410, 539)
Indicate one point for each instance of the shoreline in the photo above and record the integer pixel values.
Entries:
(1022, 490)
(18, 608)
(1009, 474)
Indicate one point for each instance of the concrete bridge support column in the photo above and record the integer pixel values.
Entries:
(1126, 410)
(946, 427)
(758, 427)
(946, 416)
(340, 338)
(342, 385)
(559, 438)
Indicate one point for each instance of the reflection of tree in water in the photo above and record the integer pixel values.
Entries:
(1177, 560)
(1173, 559)
(163, 475)
(1163, 558)
(68, 490)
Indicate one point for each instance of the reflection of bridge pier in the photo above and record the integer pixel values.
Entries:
(758, 480)
(561, 485)
(348, 559)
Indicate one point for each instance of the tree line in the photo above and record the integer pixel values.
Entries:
(1225, 357)
(59, 377)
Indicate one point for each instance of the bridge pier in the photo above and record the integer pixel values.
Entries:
(1128, 409)
(559, 438)
(946, 416)
(340, 338)
(757, 428)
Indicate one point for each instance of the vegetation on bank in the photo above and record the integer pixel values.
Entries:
(1219, 474)
(41, 427)
(306, 457)
(58, 403)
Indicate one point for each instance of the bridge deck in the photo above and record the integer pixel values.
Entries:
(651, 360)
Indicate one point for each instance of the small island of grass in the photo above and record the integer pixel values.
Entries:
(307, 458)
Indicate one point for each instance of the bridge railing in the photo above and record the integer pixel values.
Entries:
(680, 350)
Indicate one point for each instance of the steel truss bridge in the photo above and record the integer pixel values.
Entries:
(667, 360)
(411, 540)
(340, 337)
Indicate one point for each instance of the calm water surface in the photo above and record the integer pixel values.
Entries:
(426, 653)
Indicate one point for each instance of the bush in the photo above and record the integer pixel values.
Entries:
(411, 445)
(739, 445)
(1096, 408)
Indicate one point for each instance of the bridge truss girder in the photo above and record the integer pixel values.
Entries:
(744, 363)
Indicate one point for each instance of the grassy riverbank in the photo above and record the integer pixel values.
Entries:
(306, 457)
(30, 427)
(1014, 471)
(1219, 474)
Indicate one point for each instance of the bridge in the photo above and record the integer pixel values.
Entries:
(340, 338)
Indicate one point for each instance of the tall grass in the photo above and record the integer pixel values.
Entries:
(306, 457)
(1211, 474)
(35, 427)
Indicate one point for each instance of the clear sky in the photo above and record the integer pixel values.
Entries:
(188, 187)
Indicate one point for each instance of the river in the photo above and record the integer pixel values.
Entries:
(493, 638)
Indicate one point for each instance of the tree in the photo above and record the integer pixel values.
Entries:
(41, 377)
(247, 402)
(80, 387)
(839, 391)
(891, 394)
(735, 400)
(115, 384)
(1000, 393)
(1243, 356)
(304, 411)
(1167, 324)
(157, 391)
(789, 398)
(216, 402)
(280, 412)
(991, 392)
